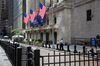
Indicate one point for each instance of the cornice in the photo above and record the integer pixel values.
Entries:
(59, 7)
(83, 2)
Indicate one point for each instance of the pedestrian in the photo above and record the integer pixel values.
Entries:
(92, 52)
(61, 44)
(98, 39)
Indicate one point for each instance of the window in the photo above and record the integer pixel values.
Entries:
(2, 1)
(3, 5)
(55, 20)
(51, 3)
(57, 1)
(47, 20)
(89, 14)
(41, 36)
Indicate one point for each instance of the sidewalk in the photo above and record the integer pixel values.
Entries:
(78, 47)
(50, 50)
(4, 61)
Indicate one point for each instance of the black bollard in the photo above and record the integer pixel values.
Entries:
(29, 49)
(84, 49)
(37, 57)
(45, 44)
(42, 44)
(68, 50)
(49, 45)
(29, 56)
(18, 56)
(57, 46)
(75, 50)
(15, 46)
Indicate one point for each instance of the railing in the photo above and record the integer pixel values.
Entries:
(71, 59)
(24, 56)
(20, 55)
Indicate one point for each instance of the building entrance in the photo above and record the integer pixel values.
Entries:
(47, 37)
(55, 37)
(41, 36)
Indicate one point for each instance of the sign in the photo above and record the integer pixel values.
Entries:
(93, 41)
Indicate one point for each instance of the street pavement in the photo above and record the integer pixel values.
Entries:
(4, 61)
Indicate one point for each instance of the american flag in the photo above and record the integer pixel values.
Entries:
(42, 10)
(32, 15)
(26, 18)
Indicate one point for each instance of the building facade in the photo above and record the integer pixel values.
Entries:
(3, 14)
(85, 19)
(10, 16)
(65, 19)
(58, 23)
(70, 20)
(0, 10)
(17, 14)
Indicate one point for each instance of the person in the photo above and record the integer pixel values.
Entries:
(92, 52)
(98, 39)
(98, 36)
(61, 44)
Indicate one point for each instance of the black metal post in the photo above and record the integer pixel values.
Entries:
(59, 59)
(79, 59)
(88, 58)
(48, 59)
(49, 44)
(18, 56)
(97, 60)
(68, 50)
(37, 57)
(64, 58)
(57, 46)
(54, 58)
(45, 43)
(15, 46)
(29, 49)
(84, 49)
(42, 44)
(29, 56)
(75, 50)
(69, 59)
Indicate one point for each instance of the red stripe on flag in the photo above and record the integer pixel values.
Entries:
(32, 16)
(42, 11)
(26, 19)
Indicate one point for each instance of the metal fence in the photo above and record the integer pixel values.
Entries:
(20, 55)
(71, 59)
(25, 56)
